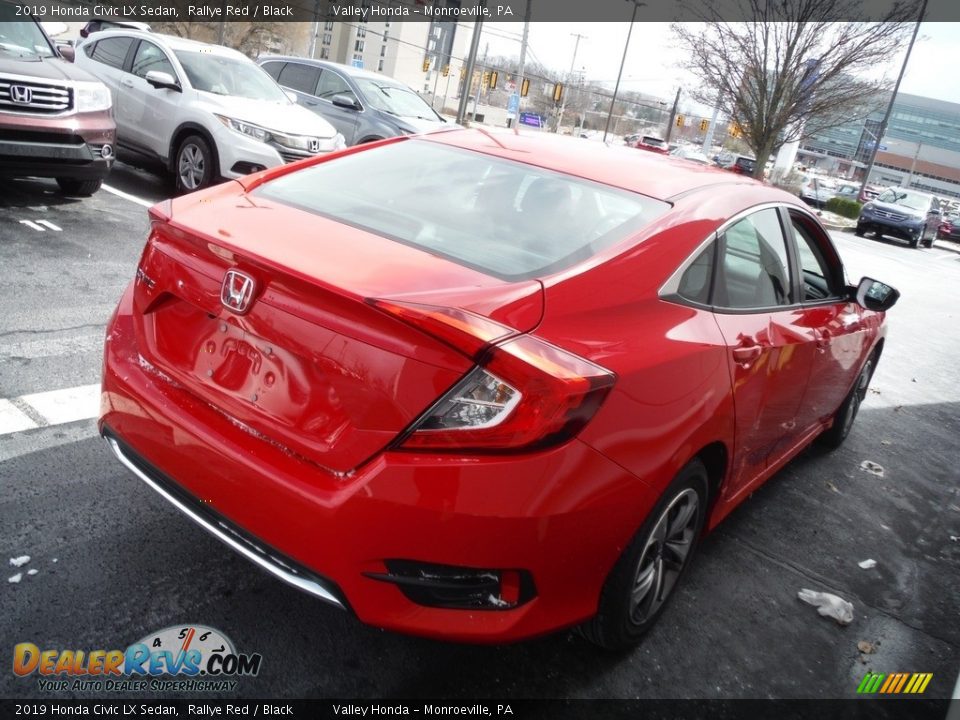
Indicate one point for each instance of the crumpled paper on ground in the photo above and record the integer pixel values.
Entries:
(828, 605)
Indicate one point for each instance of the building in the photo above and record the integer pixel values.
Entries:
(414, 53)
(921, 148)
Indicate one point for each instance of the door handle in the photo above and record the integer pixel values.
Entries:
(127, 83)
(746, 352)
(823, 340)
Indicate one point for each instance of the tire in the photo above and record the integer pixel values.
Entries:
(859, 232)
(915, 242)
(195, 166)
(624, 615)
(78, 188)
(847, 412)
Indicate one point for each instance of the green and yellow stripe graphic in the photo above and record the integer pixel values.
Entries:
(894, 683)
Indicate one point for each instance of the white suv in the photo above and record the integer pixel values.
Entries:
(204, 111)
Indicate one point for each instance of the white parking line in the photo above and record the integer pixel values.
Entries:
(32, 225)
(128, 196)
(48, 224)
(55, 407)
(12, 419)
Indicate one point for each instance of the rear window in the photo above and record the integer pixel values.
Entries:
(506, 219)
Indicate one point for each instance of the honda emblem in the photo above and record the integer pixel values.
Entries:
(21, 94)
(236, 294)
(314, 145)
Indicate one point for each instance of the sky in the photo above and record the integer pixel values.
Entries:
(653, 61)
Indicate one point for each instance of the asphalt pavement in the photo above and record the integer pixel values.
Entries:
(114, 562)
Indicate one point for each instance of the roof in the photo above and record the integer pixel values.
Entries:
(349, 70)
(650, 174)
(172, 42)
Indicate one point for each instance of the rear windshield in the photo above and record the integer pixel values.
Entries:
(506, 219)
(653, 141)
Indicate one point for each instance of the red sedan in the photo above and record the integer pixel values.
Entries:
(482, 387)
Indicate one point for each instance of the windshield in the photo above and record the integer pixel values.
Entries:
(222, 75)
(20, 38)
(907, 199)
(395, 99)
(506, 219)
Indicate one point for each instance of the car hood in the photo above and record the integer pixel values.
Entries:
(55, 69)
(288, 119)
(898, 209)
(421, 125)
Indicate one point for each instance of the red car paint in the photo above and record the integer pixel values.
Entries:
(289, 420)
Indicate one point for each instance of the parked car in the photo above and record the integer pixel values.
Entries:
(743, 165)
(652, 143)
(482, 387)
(847, 191)
(910, 215)
(869, 193)
(204, 111)
(363, 106)
(817, 191)
(950, 228)
(691, 154)
(631, 139)
(55, 119)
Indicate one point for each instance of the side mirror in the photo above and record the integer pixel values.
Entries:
(67, 52)
(345, 101)
(291, 96)
(161, 80)
(875, 295)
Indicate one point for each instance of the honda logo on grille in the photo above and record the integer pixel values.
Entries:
(21, 94)
(237, 291)
(314, 145)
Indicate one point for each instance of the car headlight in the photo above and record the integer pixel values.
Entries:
(92, 96)
(245, 128)
(867, 209)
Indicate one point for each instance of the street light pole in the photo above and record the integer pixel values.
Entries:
(626, 46)
(893, 97)
(573, 61)
(471, 62)
(523, 56)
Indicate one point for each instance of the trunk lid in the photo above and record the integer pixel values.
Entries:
(310, 365)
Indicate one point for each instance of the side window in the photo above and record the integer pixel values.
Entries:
(753, 270)
(273, 69)
(695, 282)
(150, 57)
(88, 48)
(332, 84)
(301, 78)
(112, 51)
(821, 280)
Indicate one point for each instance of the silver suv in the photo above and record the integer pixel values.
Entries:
(205, 111)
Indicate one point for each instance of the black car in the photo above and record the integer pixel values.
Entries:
(906, 214)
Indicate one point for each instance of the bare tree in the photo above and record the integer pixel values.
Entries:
(790, 70)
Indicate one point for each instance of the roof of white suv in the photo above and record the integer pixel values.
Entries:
(171, 42)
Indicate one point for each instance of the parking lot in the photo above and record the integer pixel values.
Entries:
(115, 562)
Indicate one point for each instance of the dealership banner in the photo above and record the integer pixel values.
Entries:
(469, 10)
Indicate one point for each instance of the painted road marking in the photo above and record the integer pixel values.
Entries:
(12, 419)
(127, 196)
(66, 405)
(48, 224)
(31, 224)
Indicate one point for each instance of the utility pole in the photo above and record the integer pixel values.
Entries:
(573, 61)
(893, 97)
(471, 62)
(673, 116)
(626, 46)
(523, 57)
(483, 65)
(708, 139)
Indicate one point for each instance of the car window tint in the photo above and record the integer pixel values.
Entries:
(150, 57)
(819, 278)
(695, 281)
(301, 78)
(753, 269)
(273, 69)
(332, 84)
(112, 51)
(507, 219)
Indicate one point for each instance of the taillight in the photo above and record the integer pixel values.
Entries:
(525, 393)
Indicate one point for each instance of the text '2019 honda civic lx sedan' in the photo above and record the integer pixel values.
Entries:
(482, 387)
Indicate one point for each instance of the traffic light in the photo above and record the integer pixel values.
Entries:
(679, 120)
(704, 124)
(524, 87)
(426, 64)
(557, 92)
(446, 70)
(486, 77)
(493, 79)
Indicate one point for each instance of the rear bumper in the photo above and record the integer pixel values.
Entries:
(562, 515)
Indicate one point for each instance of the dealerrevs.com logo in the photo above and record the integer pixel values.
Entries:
(178, 658)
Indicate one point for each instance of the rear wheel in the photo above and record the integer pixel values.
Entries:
(78, 188)
(643, 580)
(847, 412)
(194, 166)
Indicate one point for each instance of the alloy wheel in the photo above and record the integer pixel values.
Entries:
(191, 167)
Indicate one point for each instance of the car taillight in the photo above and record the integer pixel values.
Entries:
(524, 393)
